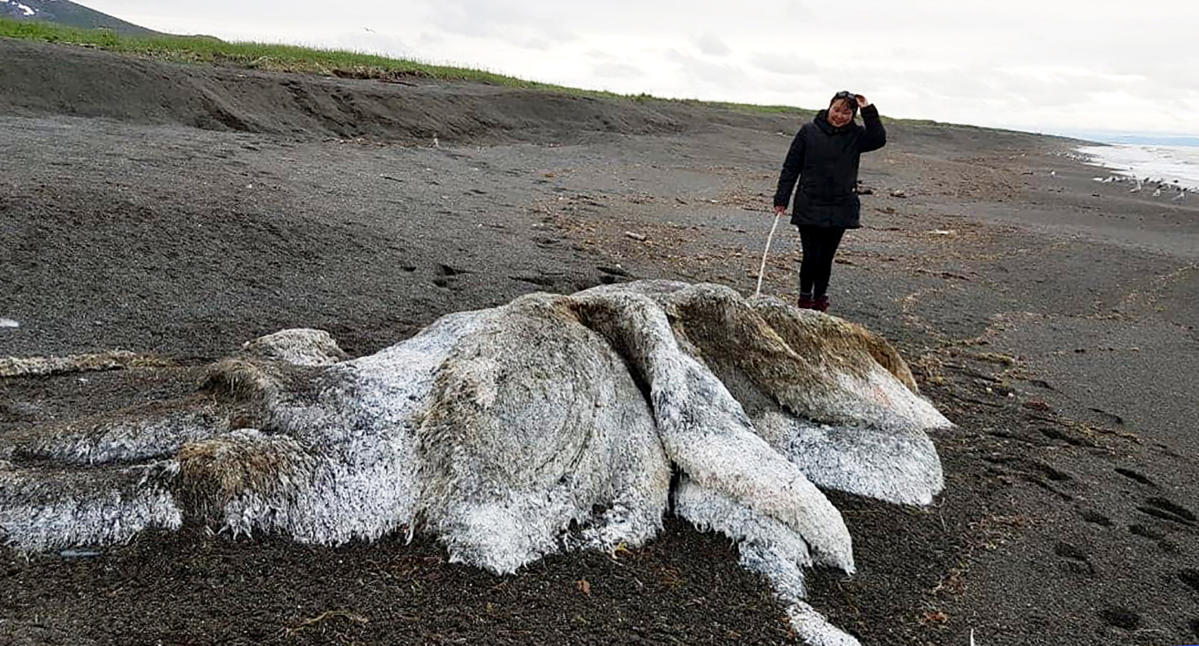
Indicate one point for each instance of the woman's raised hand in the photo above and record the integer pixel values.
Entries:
(862, 100)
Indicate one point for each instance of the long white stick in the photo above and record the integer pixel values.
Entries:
(762, 270)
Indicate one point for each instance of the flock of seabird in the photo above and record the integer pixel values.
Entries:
(1159, 185)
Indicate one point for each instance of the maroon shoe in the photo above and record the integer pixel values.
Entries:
(820, 303)
(806, 302)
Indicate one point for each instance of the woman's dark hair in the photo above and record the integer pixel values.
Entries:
(848, 97)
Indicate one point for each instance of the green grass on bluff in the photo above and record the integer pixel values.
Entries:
(291, 58)
(329, 62)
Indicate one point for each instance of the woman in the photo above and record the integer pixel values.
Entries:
(824, 158)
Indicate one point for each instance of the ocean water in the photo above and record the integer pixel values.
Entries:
(1177, 165)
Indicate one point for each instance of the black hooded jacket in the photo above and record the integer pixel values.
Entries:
(825, 161)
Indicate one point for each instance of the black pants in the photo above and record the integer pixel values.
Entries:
(819, 247)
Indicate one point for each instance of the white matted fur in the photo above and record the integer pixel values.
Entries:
(549, 423)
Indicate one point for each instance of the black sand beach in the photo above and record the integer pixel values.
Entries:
(179, 211)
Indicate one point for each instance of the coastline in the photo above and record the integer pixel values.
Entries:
(1169, 167)
(1049, 316)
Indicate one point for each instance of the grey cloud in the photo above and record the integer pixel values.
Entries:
(785, 64)
(374, 43)
(711, 45)
(983, 83)
(504, 20)
(599, 54)
(795, 9)
(724, 76)
(616, 70)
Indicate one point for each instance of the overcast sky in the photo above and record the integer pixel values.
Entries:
(1041, 65)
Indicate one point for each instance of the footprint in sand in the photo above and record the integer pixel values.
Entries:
(1166, 510)
(1190, 578)
(1096, 517)
(1076, 559)
(446, 274)
(1145, 532)
(1120, 618)
(1133, 475)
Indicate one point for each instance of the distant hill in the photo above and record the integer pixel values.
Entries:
(67, 13)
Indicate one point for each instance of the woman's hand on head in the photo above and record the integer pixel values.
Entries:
(862, 100)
